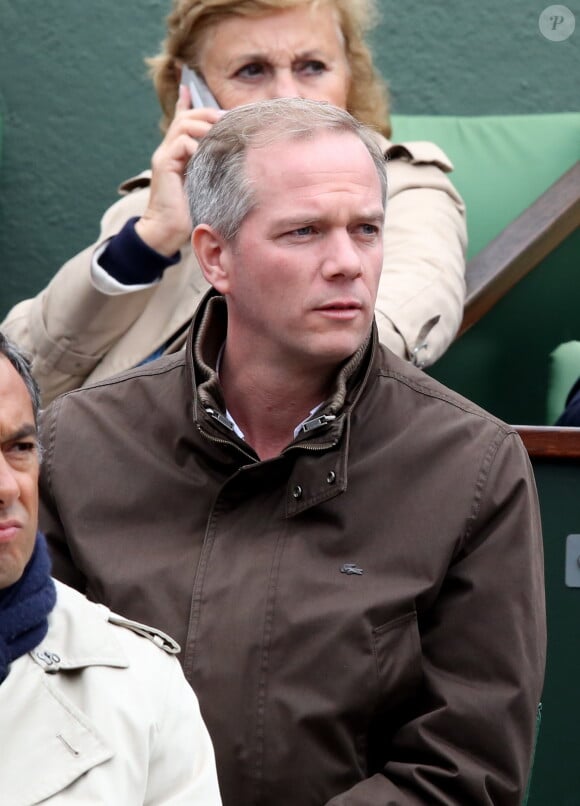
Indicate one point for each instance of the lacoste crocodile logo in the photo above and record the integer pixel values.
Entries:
(351, 568)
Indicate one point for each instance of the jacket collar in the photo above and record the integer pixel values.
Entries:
(79, 635)
(53, 743)
(206, 337)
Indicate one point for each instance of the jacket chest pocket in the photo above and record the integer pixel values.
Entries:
(397, 652)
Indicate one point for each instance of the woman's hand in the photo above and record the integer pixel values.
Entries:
(165, 225)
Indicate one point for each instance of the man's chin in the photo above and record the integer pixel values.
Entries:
(336, 351)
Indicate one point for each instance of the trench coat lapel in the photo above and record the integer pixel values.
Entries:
(54, 743)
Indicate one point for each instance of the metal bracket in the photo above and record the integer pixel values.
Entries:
(573, 561)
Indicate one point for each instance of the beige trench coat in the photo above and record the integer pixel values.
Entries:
(76, 334)
(97, 714)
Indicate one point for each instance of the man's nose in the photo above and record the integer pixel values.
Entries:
(285, 84)
(342, 258)
(9, 489)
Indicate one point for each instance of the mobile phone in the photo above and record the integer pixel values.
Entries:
(198, 89)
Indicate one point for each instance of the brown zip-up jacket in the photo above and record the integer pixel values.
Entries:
(362, 617)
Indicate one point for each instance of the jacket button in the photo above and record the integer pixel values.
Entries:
(48, 657)
(331, 478)
(297, 492)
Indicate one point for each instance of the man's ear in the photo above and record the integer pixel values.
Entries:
(213, 254)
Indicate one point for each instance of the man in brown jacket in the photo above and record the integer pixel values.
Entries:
(349, 553)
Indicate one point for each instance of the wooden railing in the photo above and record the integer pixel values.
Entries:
(550, 442)
(522, 245)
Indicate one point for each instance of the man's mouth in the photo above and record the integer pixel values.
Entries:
(341, 308)
(9, 530)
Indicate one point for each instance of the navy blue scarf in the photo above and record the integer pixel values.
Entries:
(24, 608)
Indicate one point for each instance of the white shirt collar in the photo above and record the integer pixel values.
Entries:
(237, 430)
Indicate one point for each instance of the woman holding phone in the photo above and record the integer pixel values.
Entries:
(130, 296)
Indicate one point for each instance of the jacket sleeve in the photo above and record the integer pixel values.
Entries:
(470, 739)
(182, 768)
(70, 325)
(422, 288)
(63, 566)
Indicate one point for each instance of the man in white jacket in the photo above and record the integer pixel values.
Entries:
(94, 708)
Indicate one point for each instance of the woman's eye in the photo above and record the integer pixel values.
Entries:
(250, 70)
(312, 67)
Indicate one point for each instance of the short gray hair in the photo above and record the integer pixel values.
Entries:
(217, 187)
(21, 364)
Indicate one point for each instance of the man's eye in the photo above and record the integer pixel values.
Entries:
(369, 229)
(250, 70)
(303, 231)
(24, 446)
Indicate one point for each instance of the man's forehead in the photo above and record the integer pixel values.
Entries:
(325, 156)
(298, 144)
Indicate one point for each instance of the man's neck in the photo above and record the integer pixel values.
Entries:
(267, 404)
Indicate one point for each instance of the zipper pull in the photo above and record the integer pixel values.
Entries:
(317, 422)
(221, 418)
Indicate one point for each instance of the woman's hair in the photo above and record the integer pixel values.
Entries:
(217, 186)
(189, 21)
